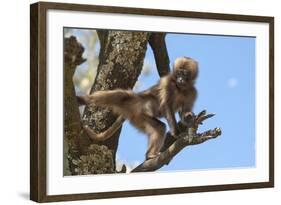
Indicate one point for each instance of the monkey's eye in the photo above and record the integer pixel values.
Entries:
(187, 74)
(178, 73)
(184, 73)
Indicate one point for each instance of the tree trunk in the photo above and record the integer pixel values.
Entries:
(72, 58)
(120, 63)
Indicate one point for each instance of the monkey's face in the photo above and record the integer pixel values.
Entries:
(185, 71)
(182, 76)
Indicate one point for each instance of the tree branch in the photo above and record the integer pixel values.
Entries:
(102, 35)
(158, 46)
(187, 137)
(73, 145)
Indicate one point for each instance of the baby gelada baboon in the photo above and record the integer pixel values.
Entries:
(175, 92)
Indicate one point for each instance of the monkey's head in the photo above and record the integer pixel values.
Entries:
(185, 71)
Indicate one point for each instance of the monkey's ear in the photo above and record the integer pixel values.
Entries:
(83, 100)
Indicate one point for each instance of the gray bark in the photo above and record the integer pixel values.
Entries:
(72, 58)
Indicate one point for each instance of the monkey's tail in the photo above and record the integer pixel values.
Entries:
(119, 101)
(107, 133)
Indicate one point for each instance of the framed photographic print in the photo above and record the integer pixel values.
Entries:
(134, 102)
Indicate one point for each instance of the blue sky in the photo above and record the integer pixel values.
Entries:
(226, 87)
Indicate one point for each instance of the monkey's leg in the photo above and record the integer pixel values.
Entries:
(154, 128)
(156, 131)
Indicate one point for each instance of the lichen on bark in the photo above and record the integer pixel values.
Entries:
(72, 58)
(80, 157)
(93, 162)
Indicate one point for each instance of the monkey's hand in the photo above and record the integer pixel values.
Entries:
(188, 119)
(188, 116)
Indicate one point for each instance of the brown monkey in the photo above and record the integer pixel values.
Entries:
(175, 92)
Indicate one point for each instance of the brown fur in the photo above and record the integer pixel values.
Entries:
(174, 93)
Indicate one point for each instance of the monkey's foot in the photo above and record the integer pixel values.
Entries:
(83, 100)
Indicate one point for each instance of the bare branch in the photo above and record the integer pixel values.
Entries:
(201, 114)
(210, 134)
(201, 118)
(186, 138)
(158, 46)
(102, 35)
